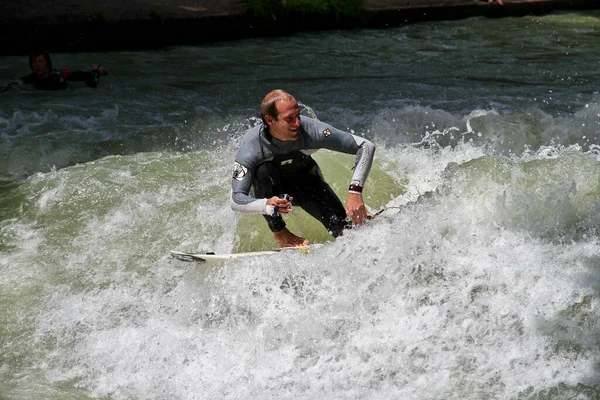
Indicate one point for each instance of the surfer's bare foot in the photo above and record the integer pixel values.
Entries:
(285, 238)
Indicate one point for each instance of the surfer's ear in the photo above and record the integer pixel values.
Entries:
(268, 120)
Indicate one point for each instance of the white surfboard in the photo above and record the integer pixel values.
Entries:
(212, 258)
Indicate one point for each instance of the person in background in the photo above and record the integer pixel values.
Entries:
(274, 158)
(44, 77)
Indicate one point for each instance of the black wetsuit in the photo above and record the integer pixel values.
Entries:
(306, 186)
(58, 79)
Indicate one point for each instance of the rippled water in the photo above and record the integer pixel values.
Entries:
(481, 280)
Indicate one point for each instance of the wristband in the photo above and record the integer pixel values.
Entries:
(273, 211)
(355, 189)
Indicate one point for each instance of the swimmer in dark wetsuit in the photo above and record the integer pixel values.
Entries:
(275, 158)
(45, 78)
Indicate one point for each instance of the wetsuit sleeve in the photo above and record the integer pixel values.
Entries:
(53, 82)
(245, 164)
(241, 201)
(90, 78)
(364, 161)
(326, 136)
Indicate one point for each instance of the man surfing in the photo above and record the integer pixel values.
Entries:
(274, 159)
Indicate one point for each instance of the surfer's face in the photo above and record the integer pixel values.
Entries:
(287, 125)
(40, 66)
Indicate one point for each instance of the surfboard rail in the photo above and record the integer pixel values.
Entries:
(212, 258)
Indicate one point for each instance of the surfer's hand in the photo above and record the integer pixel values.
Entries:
(355, 209)
(283, 206)
(101, 70)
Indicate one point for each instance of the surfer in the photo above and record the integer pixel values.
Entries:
(43, 77)
(274, 158)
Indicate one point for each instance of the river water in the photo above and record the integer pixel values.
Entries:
(481, 280)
